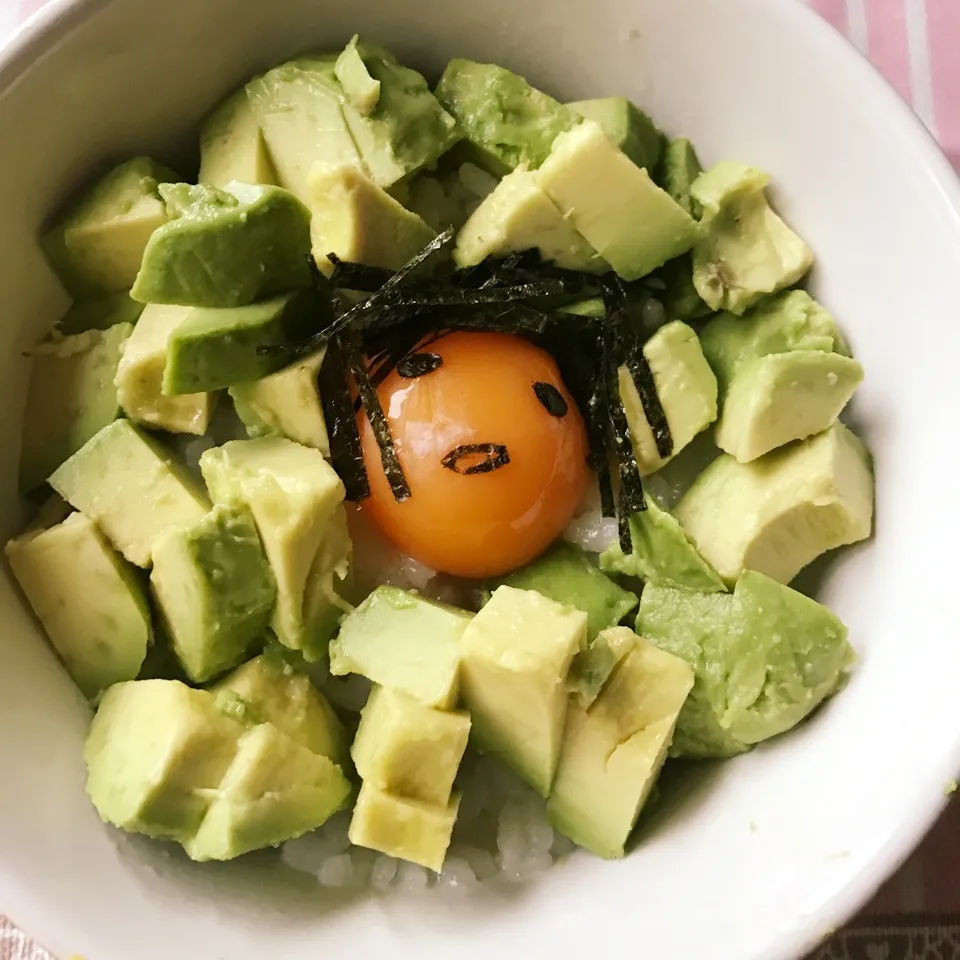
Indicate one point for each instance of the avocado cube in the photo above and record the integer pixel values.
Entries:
(214, 590)
(328, 582)
(70, 398)
(403, 828)
(100, 314)
(95, 248)
(781, 511)
(686, 387)
(662, 554)
(139, 376)
(232, 145)
(131, 486)
(517, 653)
(613, 751)
(356, 220)
(88, 600)
(633, 224)
(225, 248)
(747, 251)
(507, 121)
(156, 754)
(627, 126)
(273, 691)
(681, 167)
(293, 494)
(592, 668)
(565, 574)
(408, 749)
(275, 790)
(518, 215)
(403, 641)
(361, 90)
(286, 403)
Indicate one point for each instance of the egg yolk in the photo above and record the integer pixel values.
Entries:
(493, 448)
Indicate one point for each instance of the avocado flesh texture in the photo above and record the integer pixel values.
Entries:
(360, 88)
(225, 248)
(613, 751)
(781, 511)
(627, 126)
(232, 146)
(70, 398)
(88, 600)
(102, 314)
(592, 668)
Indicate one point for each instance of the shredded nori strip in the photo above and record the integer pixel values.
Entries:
(357, 276)
(551, 399)
(495, 456)
(442, 295)
(419, 365)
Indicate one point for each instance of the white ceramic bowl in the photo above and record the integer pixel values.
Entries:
(762, 856)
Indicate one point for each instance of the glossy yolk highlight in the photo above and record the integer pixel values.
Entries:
(479, 524)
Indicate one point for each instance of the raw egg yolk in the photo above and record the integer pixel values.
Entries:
(493, 448)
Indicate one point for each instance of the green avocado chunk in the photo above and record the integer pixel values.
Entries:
(70, 398)
(681, 167)
(361, 89)
(627, 126)
(99, 314)
(232, 146)
(591, 668)
(764, 658)
(225, 248)
(505, 119)
(565, 574)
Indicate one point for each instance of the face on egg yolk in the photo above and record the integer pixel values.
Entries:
(519, 473)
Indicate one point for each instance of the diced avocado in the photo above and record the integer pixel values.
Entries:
(286, 403)
(687, 389)
(612, 752)
(591, 307)
(747, 250)
(662, 554)
(328, 583)
(274, 691)
(275, 790)
(591, 668)
(403, 828)
(407, 749)
(232, 146)
(139, 376)
(516, 655)
(156, 754)
(356, 220)
(99, 314)
(764, 658)
(298, 107)
(361, 89)
(95, 248)
(53, 510)
(681, 167)
(778, 513)
(627, 126)
(518, 215)
(565, 574)
(403, 641)
(131, 487)
(633, 224)
(225, 248)
(71, 396)
(214, 590)
(215, 347)
(293, 494)
(88, 600)
(505, 119)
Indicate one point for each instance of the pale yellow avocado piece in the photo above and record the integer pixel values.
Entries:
(687, 389)
(156, 752)
(293, 494)
(232, 146)
(87, 599)
(776, 514)
(783, 397)
(358, 221)
(613, 751)
(131, 487)
(631, 223)
(140, 376)
(275, 790)
(747, 251)
(408, 749)
(328, 583)
(361, 89)
(516, 655)
(286, 403)
(403, 828)
(518, 215)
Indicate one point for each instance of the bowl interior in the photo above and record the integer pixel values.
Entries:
(757, 858)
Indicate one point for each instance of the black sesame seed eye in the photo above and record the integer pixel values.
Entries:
(551, 398)
(471, 458)
(419, 365)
